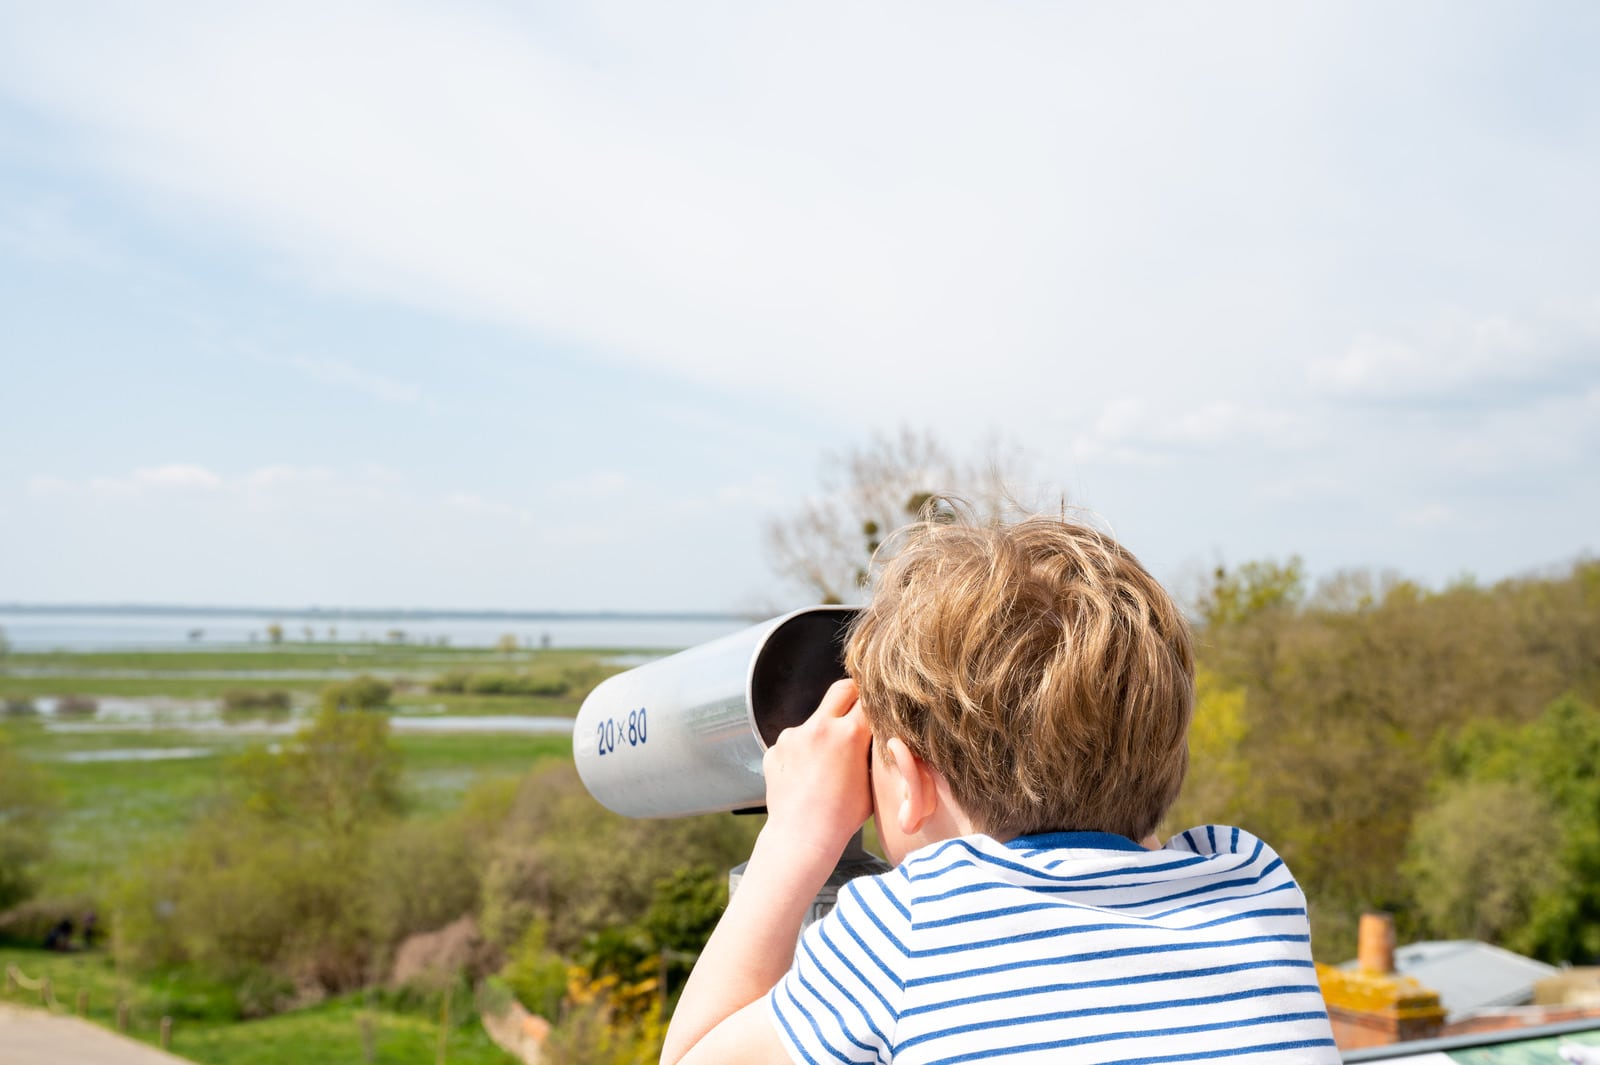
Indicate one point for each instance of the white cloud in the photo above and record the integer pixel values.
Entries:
(1498, 358)
(149, 480)
(692, 193)
(177, 475)
(280, 488)
(478, 507)
(1102, 200)
(1139, 432)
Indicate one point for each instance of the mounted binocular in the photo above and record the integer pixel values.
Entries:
(686, 734)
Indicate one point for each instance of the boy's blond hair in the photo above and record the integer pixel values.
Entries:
(1038, 667)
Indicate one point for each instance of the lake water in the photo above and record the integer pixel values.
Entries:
(98, 630)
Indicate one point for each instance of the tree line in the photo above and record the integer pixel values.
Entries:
(1431, 753)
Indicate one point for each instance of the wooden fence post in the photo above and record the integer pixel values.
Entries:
(444, 1027)
(122, 1015)
(166, 1033)
(83, 1003)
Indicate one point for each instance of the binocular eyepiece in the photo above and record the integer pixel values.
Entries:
(685, 734)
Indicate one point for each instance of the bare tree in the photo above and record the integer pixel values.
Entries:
(826, 544)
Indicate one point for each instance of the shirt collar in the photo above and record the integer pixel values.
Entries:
(1094, 841)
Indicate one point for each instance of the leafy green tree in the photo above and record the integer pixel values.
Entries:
(1483, 859)
(339, 775)
(1219, 783)
(683, 913)
(269, 888)
(26, 804)
(1348, 695)
(1552, 766)
(1252, 590)
(1245, 613)
(684, 908)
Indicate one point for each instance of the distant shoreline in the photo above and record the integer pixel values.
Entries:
(126, 626)
(365, 613)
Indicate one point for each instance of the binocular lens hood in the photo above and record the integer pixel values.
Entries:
(685, 734)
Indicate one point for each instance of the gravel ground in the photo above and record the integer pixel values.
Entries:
(34, 1037)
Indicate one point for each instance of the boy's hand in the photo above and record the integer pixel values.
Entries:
(818, 792)
(817, 796)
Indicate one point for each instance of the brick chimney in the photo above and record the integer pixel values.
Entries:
(1375, 944)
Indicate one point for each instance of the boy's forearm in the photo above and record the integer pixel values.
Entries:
(753, 945)
(817, 797)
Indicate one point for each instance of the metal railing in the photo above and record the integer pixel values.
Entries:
(1399, 1051)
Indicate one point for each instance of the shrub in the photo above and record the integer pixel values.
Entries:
(253, 701)
(77, 706)
(422, 874)
(450, 682)
(268, 892)
(360, 693)
(535, 974)
(565, 859)
(250, 898)
(592, 1031)
(465, 682)
(29, 923)
(26, 802)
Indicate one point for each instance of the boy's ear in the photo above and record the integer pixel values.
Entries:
(919, 788)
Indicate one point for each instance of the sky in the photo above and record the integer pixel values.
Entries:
(554, 306)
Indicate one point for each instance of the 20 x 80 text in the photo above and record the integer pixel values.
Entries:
(611, 732)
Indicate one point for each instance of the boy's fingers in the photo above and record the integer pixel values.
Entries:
(839, 699)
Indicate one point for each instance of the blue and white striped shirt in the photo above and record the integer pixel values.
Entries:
(1076, 947)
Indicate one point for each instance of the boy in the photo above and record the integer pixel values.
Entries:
(1021, 719)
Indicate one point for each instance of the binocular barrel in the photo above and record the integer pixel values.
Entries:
(685, 734)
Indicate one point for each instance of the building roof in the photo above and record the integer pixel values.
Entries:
(1470, 975)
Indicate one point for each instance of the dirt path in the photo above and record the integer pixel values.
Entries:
(34, 1037)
